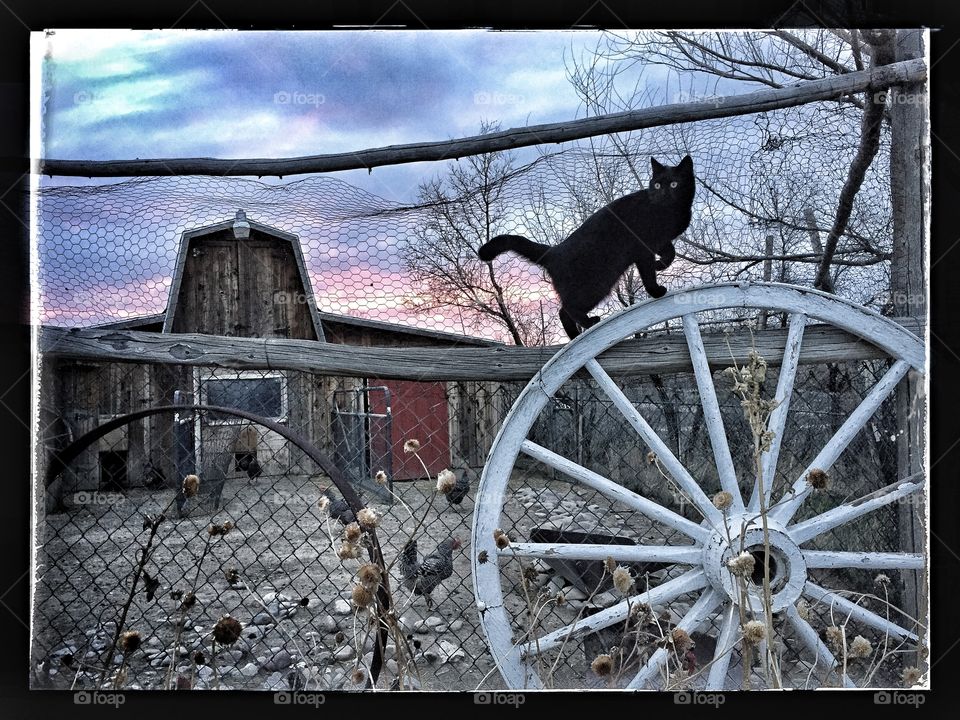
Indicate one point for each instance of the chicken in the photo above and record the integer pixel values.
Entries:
(339, 509)
(425, 576)
(460, 490)
(249, 464)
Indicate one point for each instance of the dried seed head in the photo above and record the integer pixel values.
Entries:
(818, 479)
(754, 632)
(834, 635)
(199, 658)
(189, 601)
(380, 477)
(501, 539)
(232, 575)
(369, 575)
(339, 637)
(602, 665)
(561, 598)
(446, 481)
(742, 565)
(227, 630)
(228, 526)
(911, 676)
(609, 564)
(882, 580)
(352, 532)
(530, 573)
(622, 580)
(216, 529)
(191, 484)
(651, 457)
(860, 647)
(722, 500)
(130, 641)
(362, 597)
(411, 446)
(348, 551)
(358, 676)
(681, 640)
(803, 609)
(482, 557)
(324, 504)
(368, 518)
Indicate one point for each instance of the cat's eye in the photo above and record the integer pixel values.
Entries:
(673, 184)
(656, 186)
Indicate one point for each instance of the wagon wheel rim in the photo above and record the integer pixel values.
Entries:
(516, 660)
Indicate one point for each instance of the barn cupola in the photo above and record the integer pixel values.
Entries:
(242, 278)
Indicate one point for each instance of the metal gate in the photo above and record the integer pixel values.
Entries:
(361, 437)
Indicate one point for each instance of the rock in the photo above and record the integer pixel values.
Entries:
(154, 641)
(367, 660)
(249, 670)
(406, 624)
(456, 626)
(275, 682)
(392, 666)
(430, 655)
(341, 607)
(280, 661)
(573, 593)
(433, 621)
(205, 673)
(605, 599)
(345, 653)
(324, 657)
(262, 618)
(327, 624)
(99, 644)
(390, 650)
(421, 628)
(451, 652)
(231, 656)
(557, 584)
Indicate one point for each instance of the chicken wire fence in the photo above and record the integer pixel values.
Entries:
(767, 188)
(277, 569)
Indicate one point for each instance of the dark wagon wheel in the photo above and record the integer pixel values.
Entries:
(712, 542)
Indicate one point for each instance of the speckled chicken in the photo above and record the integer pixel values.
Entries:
(425, 576)
(339, 509)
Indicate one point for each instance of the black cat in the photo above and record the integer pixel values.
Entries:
(634, 229)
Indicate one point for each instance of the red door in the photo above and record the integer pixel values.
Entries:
(420, 413)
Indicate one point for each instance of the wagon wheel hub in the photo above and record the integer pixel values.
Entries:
(788, 571)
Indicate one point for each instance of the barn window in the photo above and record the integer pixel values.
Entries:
(259, 393)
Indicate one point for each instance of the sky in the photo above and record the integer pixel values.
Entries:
(228, 94)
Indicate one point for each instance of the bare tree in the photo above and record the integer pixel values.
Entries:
(464, 209)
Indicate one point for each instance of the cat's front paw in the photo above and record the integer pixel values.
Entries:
(658, 291)
(660, 265)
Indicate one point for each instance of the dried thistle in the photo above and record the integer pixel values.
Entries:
(911, 676)
(352, 533)
(189, 600)
(530, 573)
(754, 632)
(860, 647)
(882, 580)
(369, 575)
(501, 539)
(191, 485)
(722, 500)
(834, 635)
(380, 478)
(324, 504)
(609, 564)
(361, 596)
(742, 565)
(199, 658)
(561, 598)
(348, 551)
(681, 640)
(482, 557)
(602, 665)
(232, 575)
(411, 446)
(358, 676)
(803, 609)
(216, 529)
(651, 457)
(446, 481)
(818, 479)
(228, 526)
(227, 630)
(130, 641)
(368, 518)
(622, 580)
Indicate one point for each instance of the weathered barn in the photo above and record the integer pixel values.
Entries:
(244, 279)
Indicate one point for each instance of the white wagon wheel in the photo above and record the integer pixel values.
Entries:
(709, 546)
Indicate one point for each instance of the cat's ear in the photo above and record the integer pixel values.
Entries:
(686, 163)
(655, 166)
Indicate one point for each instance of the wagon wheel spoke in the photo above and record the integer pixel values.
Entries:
(852, 610)
(711, 411)
(615, 491)
(808, 636)
(684, 555)
(688, 582)
(695, 617)
(849, 511)
(726, 641)
(778, 418)
(794, 497)
(676, 469)
(863, 560)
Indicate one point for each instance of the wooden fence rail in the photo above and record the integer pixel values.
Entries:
(661, 353)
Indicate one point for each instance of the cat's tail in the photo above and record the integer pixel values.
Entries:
(532, 251)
